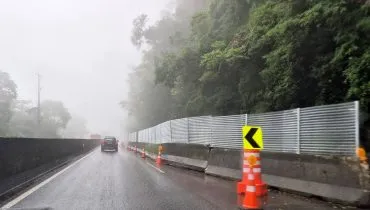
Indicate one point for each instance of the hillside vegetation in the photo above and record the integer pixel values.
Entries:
(223, 57)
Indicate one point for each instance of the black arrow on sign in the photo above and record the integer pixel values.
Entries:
(249, 138)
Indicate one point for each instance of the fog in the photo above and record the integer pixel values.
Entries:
(82, 50)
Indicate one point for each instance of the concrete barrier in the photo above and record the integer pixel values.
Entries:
(21, 154)
(332, 178)
(339, 179)
(225, 163)
(343, 180)
(192, 156)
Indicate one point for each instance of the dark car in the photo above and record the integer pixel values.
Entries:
(109, 143)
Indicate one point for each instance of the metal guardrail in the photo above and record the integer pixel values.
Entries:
(320, 130)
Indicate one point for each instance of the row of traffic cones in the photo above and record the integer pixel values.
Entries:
(143, 154)
(252, 185)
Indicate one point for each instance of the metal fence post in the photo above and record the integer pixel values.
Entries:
(246, 119)
(187, 119)
(170, 131)
(357, 124)
(211, 129)
(298, 130)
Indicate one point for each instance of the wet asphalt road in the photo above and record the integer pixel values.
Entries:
(108, 180)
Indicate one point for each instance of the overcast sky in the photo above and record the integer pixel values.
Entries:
(81, 48)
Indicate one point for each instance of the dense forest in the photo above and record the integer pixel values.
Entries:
(222, 57)
(19, 118)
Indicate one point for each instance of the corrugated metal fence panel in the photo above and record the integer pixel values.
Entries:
(179, 130)
(200, 130)
(279, 130)
(157, 133)
(320, 130)
(152, 136)
(328, 129)
(227, 131)
(165, 133)
(141, 136)
(132, 137)
(147, 135)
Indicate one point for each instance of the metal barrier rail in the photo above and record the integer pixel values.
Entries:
(320, 130)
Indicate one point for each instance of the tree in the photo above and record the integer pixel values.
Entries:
(8, 93)
(138, 30)
(76, 128)
(23, 122)
(54, 118)
(238, 56)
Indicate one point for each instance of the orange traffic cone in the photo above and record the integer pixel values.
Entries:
(250, 199)
(240, 188)
(158, 160)
(247, 169)
(261, 187)
(143, 153)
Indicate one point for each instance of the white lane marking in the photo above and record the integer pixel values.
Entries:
(155, 167)
(30, 191)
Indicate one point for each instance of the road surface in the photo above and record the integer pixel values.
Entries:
(108, 180)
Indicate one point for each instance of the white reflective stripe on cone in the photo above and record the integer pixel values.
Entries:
(245, 162)
(246, 170)
(247, 154)
(251, 189)
(256, 170)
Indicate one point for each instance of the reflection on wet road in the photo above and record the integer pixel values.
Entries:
(108, 180)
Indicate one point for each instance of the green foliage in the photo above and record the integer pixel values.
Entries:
(54, 119)
(138, 30)
(55, 113)
(8, 93)
(76, 128)
(23, 122)
(19, 119)
(257, 56)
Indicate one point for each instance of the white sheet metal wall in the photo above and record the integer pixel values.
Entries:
(132, 137)
(330, 129)
(279, 130)
(152, 135)
(227, 131)
(179, 130)
(200, 130)
(165, 133)
(140, 136)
